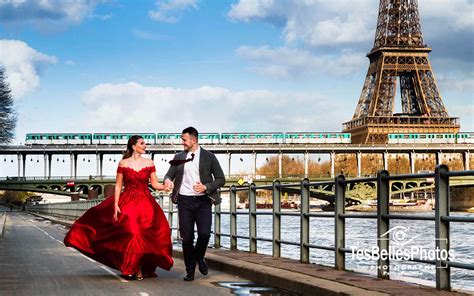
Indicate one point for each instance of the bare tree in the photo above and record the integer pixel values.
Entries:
(8, 116)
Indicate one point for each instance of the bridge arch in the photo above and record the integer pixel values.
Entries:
(84, 189)
(55, 187)
(98, 188)
(397, 186)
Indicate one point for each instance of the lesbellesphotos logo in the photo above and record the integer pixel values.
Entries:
(402, 247)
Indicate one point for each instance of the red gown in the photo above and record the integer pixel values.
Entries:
(140, 237)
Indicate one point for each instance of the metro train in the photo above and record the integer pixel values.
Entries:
(239, 138)
(459, 138)
(175, 138)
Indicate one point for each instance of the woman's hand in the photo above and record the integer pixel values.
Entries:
(116, 212)
(168, 185)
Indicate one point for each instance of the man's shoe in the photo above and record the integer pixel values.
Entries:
(202, 267)
(189, 277)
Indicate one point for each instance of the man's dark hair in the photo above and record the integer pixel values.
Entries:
(191, 131)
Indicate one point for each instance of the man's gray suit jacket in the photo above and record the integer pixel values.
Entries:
(210, 173)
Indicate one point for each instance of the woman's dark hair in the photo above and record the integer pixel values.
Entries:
(131, 142)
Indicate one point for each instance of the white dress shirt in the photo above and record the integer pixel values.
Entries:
(191, 174)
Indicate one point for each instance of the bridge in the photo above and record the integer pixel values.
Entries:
(19, 154)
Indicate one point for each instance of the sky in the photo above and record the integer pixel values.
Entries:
(218, 65)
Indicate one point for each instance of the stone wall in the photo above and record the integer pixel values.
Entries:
(462, 198)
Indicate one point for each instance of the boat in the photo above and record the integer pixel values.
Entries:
(419, 205)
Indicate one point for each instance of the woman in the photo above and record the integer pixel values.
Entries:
(127, 231)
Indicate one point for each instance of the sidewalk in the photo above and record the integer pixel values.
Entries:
(301, 278)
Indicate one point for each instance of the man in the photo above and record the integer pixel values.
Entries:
(197, 176)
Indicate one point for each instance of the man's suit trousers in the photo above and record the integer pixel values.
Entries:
(194, 210)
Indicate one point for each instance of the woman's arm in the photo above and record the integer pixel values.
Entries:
(154, 182)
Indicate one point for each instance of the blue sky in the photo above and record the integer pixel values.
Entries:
(248, 65)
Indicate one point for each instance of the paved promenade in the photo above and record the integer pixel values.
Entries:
(34, 261)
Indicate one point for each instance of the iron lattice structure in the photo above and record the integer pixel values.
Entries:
(399, 55)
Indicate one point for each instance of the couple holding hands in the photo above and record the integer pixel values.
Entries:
(129, 231)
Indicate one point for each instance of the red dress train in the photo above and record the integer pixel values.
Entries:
(140, 237)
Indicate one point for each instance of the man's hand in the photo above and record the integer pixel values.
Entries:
(168, 185)
(199, 187)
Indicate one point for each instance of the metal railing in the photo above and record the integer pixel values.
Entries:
(442, 219)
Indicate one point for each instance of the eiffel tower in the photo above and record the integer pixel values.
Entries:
(399, 54)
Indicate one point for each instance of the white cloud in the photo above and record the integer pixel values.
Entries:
(312, 22)
(332, 23)
(169, 11)
(284, 62)
(457, 15)
(133, 107)
(317, 35)
(70, 63)
(148, 35)
(465, 113)
(248, 10)
(456, 83)
(102, 17)
(23, 66)
(46, 14)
